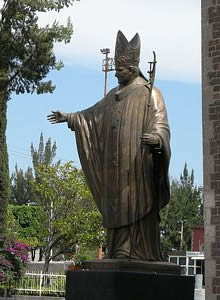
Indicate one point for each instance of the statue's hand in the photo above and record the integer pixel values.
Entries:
(57, 117)
(150, 139)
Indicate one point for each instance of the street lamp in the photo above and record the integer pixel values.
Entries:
(108, 65)
(181, 235)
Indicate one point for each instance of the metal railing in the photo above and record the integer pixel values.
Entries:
(39, 284)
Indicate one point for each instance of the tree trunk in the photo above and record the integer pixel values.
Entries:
(33, 254)
(46, 279)
(99, 254)
(46, 263)
(4, 174)
(47, 257)
(40, 254)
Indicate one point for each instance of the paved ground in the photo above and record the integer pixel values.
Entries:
(32, 298)
(200, 294)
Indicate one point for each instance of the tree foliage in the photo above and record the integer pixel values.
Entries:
(4, 174)
(26, 47)
(26, 224)
(21, 187)
(13, 260)
(44, 155)
(71, 217)
(185, 207)
(65, 219)
(27, 57)
(20, 181)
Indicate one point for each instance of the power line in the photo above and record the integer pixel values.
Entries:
(18, 147)
(20, 153)
(19, 156)
(24, 155)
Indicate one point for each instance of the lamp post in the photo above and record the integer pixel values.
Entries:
(181, 235)
(107, 65)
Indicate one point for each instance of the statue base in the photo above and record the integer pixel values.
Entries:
(131, 265)
(117, 280)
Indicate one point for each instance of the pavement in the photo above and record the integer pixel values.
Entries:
(199, 294)
(15, 297)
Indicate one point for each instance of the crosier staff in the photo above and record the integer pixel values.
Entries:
(152, 73)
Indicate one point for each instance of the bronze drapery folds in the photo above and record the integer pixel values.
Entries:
(123, 145)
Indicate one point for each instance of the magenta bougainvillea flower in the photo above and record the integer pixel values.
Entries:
(13, 259)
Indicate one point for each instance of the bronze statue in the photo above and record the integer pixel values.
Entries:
(123, 145)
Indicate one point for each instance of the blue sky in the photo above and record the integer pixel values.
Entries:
(172, 30)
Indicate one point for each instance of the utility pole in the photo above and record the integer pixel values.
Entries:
(181, 236)
(107, 66)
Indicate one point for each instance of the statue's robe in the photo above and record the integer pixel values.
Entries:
(129, 182)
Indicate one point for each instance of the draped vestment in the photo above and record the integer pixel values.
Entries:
(129, 182)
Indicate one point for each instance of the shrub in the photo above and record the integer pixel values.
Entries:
(13, 260)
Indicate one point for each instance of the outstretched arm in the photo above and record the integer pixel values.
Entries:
(57, 117)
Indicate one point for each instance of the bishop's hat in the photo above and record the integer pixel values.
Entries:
(127, 53)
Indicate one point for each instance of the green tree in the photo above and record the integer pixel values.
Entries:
(20, 186)
(4, 174)
(26, 224)
(71, 217)
(20, 180)
(44, 154)
(26, 58)
(13, 260)
(184, 210)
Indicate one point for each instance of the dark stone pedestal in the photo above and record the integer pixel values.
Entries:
(110, 264)
(127, 285)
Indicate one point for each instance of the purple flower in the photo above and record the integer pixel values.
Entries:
(21, 246)
(13, 259)
(24, 257)
(4, 262)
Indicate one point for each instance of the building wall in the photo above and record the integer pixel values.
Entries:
(211, 143)
(197, 239)
(54, 267)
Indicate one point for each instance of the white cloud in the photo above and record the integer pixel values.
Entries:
(171, 28)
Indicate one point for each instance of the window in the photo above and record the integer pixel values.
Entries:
(190, 270)
(182, 261)
(173, 260)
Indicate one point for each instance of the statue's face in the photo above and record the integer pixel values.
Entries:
(123, 74)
